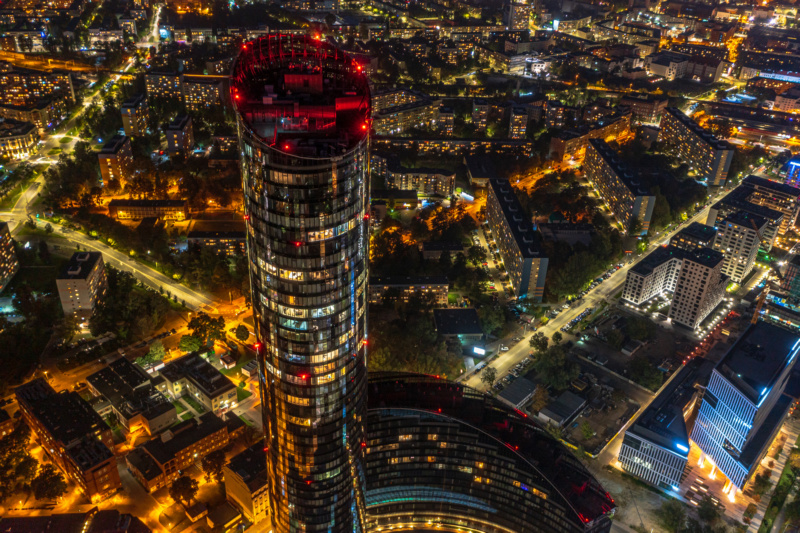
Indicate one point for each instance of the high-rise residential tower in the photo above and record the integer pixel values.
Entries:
(303, 111)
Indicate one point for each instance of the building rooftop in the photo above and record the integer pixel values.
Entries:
(480, 167)
(135, 101)
(746, 220)
(251, 466)
(517, 391)
(144, 463)
(180, 123)
(146, 203)
(739, 199)
(699, 131)
(239, 235)
(114, 144)
(625, 174)
(756, 360)
(80, 265)
(697, 232)
(129, 389)
(705, 256)
(14, 128)
(656, 258)
(763, 183)
(200, 372)
(662, 422)
(182, 436)
(457, 321)
(528, 240)
(564, 407)
(442, 246)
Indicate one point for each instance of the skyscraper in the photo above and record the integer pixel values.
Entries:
(303, 111)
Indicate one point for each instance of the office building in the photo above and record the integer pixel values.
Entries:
(694, 236)
(9, 263)
(191, 375)
(519, 244)
(163, 85)
(738, 238)
(620, 188)
(654, 275)
(134, 400)
(308, 274)
(138, 209)
(160, 461)
(82, 284)
(202, 92)
(655, 448)
(246, 482)
(73, 436)
(699, 289)
(18, 140)
(709, 157)
(440, 455)
(746, 403)
(180, 136)
(135, 114)
(404, 288)
(116, 160)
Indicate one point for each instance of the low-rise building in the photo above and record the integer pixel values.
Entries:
(519, 244)
(405, 287)
(82, 284)
(75, 437)
(9, 263)
(247, 484)
(479, 170)
(18, 140)
(433, 250)
(462, 324)
(227, 242)
(135, 114)
(193, 376)
(116, 160)
(619, 187)
(180, 137)
(138, 209)
(91, 521)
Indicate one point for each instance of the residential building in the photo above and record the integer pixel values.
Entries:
(518, 123)
(646, 109)
(227, 242)
(621, 189)
(447, 120)
(479, 170)
(699, 289)
(160, 461)
(694, 236)
(791, 277)
(134, 399)
(655, 448)
(91, 521)
(746, 402)
(44, 114)
(428, 182)
(774, 195)
(654, 275)
(480, 113)
(738, 238)
(135, 114)
(398, 119)
(459, 323)
(193, 376)
(384, 99)
(202, 92)
(519, 244)
(788, 101)
(405, 287)
(517, 15)
(73, 436)
(18, 140)
(82, 284)
(116, 160)
(166, 85)
(246, 482)
(9, 263)
(25, 87)
(138, 209)
(572, 144)
(709, 157)
(180, 136)
(433, 250)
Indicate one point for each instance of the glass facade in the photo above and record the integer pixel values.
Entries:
(303, 120)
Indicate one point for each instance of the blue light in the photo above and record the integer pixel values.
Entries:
(763, 391)
(676, 488)
(682, 448)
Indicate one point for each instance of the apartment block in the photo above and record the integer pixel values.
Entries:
(519, 244)
(44, 114)
(398, 119)
(116, 159)
(708, 156)
(161, 84)
(447, 120)
(82, 284)
(135, 114)
(738, 238)
(18, 140)
(645, 109)
(428, 182)
(694, 236)
(572, 144)
(228, 242)
(393, 98)
(25, 87)
(9, 263)
(202, 92)
(138, 209)
(403, 288)
(619, 187)
(180, 136)
(247, 484)
(746, 401)
(73, 435)
(518, 123)
(699, 289)
(193, 376)
(517, 15)
(480, 113)
(159, 462)
(655, 448)
(654, 275)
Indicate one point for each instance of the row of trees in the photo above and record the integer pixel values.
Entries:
(19, 472)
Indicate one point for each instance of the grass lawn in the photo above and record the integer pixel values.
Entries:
(54, 151)
(242, 394)
(185, 416)
(194, 404)
(246, 421)
(235, 371)
(65, 140)
(11, 198)
(179, 407)
(452, 298)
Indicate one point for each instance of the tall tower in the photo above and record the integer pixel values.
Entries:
(303, 111)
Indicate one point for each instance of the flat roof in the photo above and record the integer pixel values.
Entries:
(656, 258)
(457, 321)
(183, 435)
(517, 391)
(528, 240)
(114, 144)
(564, 407)
(480, 167)
(623, 172)
(746, 220)
(757, 358)
(80, 265)
(146, 203)
(697, 231)
(200, 372)
(759, 182)
(701, 132)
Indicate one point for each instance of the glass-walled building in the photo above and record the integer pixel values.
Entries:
(303, 111)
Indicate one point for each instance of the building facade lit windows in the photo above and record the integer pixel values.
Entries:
(116, 160)
(738, 238)
(135, 115)
(82, 284)
(303, 113)
(9, 263)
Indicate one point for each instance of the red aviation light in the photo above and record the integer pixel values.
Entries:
(286, 147)
(364, 127)
(257, 346)
(247, 217)
(358, 67)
